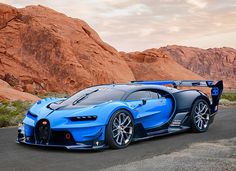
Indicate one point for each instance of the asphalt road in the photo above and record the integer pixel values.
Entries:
(21, 157)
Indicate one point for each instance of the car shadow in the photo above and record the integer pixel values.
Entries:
(58, 149)
(162, 137)
(65, 150)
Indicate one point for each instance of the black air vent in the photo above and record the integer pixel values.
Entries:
(42, 131)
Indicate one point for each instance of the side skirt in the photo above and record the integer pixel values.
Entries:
(164, 132)
(179, 124)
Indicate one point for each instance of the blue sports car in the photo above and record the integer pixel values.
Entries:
(114, 115)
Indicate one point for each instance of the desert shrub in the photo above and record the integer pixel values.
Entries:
(11, 113)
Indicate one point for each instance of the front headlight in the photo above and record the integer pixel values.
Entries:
(84, 118)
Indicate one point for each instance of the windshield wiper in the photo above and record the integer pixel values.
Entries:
(84, 96)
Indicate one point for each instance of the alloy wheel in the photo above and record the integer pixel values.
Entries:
(122, 129)
(201, 115)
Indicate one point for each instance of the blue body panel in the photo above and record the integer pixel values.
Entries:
(155, 113)
(165, 114)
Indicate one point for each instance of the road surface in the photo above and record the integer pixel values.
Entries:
(21, 157)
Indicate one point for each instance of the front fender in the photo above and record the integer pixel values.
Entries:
(39, 110)
(111, 108)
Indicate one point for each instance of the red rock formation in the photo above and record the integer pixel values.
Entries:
(213, 63)
(7, 13)
(154, 64)
(8, 93)
(41, 49)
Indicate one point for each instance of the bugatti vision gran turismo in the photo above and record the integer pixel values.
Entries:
(114, 115)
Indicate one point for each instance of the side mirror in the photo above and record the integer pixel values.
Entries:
(144, 101)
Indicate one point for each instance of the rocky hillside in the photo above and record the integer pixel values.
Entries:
(9, 93)
(42, 50)
(154, 64)
(213, 63)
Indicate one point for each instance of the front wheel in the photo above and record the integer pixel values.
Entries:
(120, 129)
(200, 116)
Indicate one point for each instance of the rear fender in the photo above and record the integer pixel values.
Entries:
(185, 99)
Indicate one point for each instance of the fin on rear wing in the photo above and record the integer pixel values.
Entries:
(216, 90)
(216, 93)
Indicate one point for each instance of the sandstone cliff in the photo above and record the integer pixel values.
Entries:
(154, 64)
(9, 93)
(213, 63)
(43, 50)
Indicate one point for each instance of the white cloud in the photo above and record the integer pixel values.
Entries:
(130, 25)
(218, 24)
(147, 32)
(211, 41)
(197, 3)
(173, 29)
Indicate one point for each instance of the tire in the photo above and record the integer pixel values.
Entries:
(120, 130)
(200, 116)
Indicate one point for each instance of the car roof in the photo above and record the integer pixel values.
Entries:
(135, 87)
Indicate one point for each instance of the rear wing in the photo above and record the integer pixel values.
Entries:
(216, 89)
(178, 83)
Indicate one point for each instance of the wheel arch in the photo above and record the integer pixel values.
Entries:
(201, 97)
(194, 126)
(122, 108)
(185, 99)
(117, 109)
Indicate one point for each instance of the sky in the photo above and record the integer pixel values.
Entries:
(135, 25)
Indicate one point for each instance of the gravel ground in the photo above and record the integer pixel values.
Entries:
(214, 156)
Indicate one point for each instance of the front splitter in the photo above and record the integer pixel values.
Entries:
(79, 146)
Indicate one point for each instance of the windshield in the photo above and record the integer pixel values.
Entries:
(93, 96)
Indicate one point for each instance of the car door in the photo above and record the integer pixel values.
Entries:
(151, 109)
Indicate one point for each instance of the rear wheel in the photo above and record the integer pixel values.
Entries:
(200, 116)
(120, 129)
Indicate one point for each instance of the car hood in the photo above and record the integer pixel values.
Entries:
(63, 117)
(41, 109)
